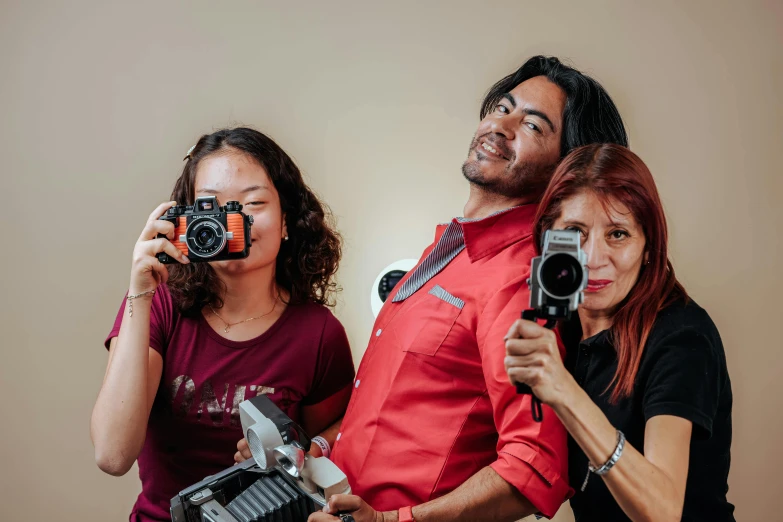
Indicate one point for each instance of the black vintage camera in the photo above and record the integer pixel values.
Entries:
(558, 278)
(206, 231)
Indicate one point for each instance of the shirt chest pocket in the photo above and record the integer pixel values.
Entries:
(424, 327)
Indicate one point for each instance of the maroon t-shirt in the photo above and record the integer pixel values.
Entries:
(194, 425)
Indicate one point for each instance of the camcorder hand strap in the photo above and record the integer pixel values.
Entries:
(535, 402)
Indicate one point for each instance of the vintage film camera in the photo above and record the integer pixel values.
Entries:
(281, 483)
(558, 278)
(206, 231)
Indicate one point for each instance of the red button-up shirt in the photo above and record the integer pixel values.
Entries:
(432, 404)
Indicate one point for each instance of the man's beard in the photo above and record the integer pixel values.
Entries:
(528, 180)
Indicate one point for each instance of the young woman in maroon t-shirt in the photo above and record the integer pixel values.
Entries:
(193, 340)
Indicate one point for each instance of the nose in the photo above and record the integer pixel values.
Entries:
(504, 126)
(596, 249)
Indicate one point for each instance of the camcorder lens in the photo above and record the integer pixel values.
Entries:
(561, 275)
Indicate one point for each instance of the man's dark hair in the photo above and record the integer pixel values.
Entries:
(590, 115)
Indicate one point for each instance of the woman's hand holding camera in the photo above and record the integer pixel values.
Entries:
(147, 272)
(533, 358)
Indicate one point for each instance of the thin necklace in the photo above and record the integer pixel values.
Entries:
(229, 325)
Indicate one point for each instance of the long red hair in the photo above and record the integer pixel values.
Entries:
(614, 172)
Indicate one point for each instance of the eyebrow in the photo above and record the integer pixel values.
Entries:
(251, 188)
(611, 223)
(533, 112)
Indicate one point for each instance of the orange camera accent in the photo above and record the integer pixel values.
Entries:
(182, 225)
(236, 225)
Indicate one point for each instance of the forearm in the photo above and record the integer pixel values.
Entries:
(642, 490)
(330, 434)
(119, 418)
(484, 496)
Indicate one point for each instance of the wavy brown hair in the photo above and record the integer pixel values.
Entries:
(614, 172)
(306, 263)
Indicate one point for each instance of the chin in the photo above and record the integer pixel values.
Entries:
(595, 303)
(234, 266)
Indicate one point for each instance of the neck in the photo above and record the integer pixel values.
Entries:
(248, 293)
(594, 321)
(482, 203)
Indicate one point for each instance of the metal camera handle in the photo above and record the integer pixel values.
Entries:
(535, 402)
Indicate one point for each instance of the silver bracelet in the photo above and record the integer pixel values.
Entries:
(130, 299)
(603, 470)
(324, 445)
(618, 452)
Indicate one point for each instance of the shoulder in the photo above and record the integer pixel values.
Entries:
(684, 324)
(314, 316)
(683, 315)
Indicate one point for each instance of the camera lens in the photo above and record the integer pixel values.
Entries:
(205, 237)
(561, 275)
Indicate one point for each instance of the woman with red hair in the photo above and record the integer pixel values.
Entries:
(644, 391)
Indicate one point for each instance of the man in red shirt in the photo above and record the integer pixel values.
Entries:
(434, 431)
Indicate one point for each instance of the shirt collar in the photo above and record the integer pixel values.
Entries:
(490, 235)
(571, 333)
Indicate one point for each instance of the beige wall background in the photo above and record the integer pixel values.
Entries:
(377, 102)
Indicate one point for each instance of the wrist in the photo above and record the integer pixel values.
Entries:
(569, 391)
(139, 288)
(324, 449)
(315, 450)
(405, 514)
(389, 516)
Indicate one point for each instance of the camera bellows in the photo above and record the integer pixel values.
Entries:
(271, 499)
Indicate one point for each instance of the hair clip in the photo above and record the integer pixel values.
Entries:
(188, 154)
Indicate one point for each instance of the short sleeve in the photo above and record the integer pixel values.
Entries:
(161, 318)
(683, 379)
(334, 365)
(532, 456)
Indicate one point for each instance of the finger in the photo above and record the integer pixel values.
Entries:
(343, 503)
(524, 329)
(320, 516)
(144, 264)
(524, 346)
(161, 244)
(246, 452)
(523, 376)
(158, 226)
(238, 457)
(160, 210)
(522, 361)
(161, 272)
(242, 444)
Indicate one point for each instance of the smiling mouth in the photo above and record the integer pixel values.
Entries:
(487, 147)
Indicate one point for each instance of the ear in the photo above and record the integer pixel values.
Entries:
(285, 229)
(646, 258)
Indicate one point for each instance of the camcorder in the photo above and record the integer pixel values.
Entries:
(281, 483)
(558, 278)
(205, 231)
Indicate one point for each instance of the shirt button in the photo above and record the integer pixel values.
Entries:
(378, 333)
(357, 383)
(338, 436)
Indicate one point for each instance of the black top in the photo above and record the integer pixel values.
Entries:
(682, 373)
